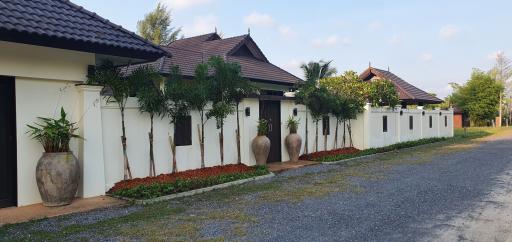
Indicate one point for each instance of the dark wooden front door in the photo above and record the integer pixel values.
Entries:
(271, 111)
(7, 143)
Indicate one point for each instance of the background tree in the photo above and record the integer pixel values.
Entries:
(318, 104)
(382, 92)
(501, 72)
(177, 106)
(223, 84)
(313, 71)
(118, 90)
(151, 100)
(198, 100)
(156, 26)
(349, 97)
(478, 97)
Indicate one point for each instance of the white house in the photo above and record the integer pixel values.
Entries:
(46, 48)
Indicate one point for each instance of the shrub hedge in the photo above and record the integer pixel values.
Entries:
(158, 189)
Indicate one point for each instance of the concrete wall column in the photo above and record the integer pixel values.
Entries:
(91, 148)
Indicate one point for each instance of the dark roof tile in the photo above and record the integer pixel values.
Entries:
(406, 91)
(187, 53)
(26, 20)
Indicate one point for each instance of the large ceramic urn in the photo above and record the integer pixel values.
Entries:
(293, 143)
(261, 149)
(57, 176)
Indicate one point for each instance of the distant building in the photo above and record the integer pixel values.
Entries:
(409, 94)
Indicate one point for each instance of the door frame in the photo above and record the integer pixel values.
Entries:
(13, 166)
(278, 122)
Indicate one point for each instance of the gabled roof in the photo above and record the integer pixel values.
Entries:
(407, 92)
(62, 24)
(187, 53)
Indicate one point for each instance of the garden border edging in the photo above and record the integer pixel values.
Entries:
(192, 192)
(371, 155)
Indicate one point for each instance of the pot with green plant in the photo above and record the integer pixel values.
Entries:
(57, 171)
(293, 141)
(261, 143)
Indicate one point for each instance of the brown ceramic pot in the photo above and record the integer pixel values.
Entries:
(57, 176)
(293, 143)
(261, 148)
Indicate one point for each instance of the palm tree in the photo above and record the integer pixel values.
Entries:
(151, 100)
(313, 72)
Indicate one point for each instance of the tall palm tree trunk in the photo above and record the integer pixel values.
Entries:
(335, 143)
(127, 170)
(221, 144)
(316, 136)
(152, 171)
(343, 141)
(239, 159)
(306, 138)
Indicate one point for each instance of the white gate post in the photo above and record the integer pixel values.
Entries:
(91, 149)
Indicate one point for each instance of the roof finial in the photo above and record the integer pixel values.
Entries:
(369, 64)
(248, 31)
(388, 68)
(215, 29)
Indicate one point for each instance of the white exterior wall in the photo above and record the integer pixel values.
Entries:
(188, 157)
(42, 86)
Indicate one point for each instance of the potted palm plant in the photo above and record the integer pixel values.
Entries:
(57, 171)
(293, 141)
(261, 143)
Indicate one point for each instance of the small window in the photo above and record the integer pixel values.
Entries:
(430, 121)
(445, 121)
(183, 131)
(325, 126)
(384, 123)
(410, 123)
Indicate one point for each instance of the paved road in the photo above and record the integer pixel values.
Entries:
(441, 192)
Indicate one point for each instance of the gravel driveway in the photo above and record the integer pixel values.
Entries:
(441, 192)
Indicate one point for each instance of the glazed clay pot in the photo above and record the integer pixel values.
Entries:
(261, 148)
(293, 143)
(57, 176)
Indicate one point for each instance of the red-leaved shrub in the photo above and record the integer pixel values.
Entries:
(316, 155)
(184, 175)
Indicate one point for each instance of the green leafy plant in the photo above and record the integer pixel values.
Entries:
(383, 92)
(262, 127)
(118, 89)
(151, 100)
(177, 96)
(292, 124)
(54, 134)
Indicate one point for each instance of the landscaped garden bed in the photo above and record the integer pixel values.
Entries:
(347, 153)
(167, 184)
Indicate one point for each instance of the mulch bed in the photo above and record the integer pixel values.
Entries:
(184, 175)
(317, 155)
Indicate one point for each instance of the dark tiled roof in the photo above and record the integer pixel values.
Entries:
(62, 24)
(406, 91)
(187, 53)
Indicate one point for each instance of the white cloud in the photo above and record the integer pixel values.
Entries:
(259, 19)
(395, 40)
(426, 57)
(182, 4)
(449, 32)
(201, 25)
(332, 40)
(286, 31)
(375, 25)
(293, 66)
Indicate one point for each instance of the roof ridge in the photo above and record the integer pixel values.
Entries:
(106, 21)
(408, 93)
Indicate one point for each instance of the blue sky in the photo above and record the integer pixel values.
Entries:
(427, 43)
